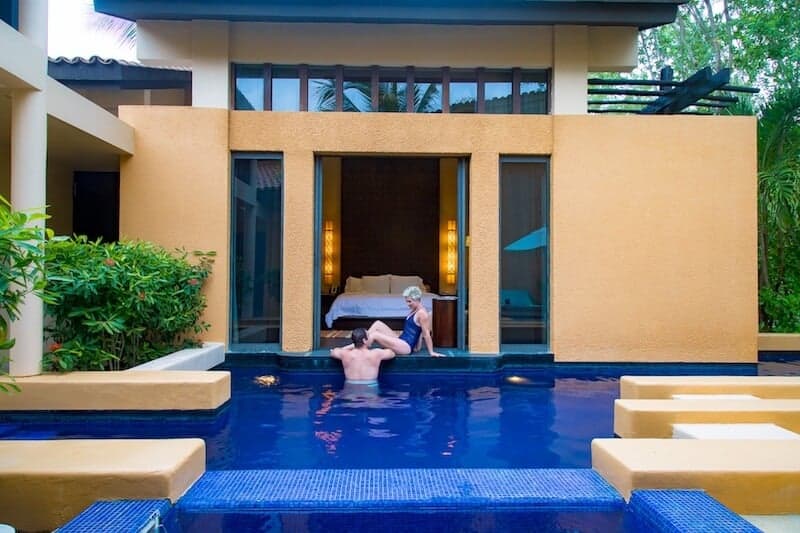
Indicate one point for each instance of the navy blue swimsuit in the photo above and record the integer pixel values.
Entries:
(411, 332)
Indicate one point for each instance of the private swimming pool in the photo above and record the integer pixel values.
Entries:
(542, 417)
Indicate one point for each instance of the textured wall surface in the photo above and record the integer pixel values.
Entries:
(176, 191)
(654, 239)
(653, 219)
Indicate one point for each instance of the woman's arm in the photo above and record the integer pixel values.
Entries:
(426, 334)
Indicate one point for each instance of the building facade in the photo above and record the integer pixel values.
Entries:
(332, 145)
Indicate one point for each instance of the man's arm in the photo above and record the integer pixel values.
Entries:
(336, 353)
(386, 353)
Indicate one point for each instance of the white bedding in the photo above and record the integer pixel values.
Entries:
(372, 305)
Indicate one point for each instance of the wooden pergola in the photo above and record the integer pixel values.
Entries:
(702, 93)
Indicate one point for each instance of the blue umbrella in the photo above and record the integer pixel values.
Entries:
(531, 241)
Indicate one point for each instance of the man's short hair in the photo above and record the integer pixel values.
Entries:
(359, 337)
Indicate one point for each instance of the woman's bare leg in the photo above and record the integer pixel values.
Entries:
(376, 327)
(379, 327)
(391, 341)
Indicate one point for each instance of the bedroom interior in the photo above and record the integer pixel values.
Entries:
(387, 222)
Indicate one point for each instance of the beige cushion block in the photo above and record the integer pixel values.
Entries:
(146, 390)
(44, 484)
(753, 477)
(656, 387)
(654, 418)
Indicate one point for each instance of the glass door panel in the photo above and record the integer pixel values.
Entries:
(524, 252)
(257, 203)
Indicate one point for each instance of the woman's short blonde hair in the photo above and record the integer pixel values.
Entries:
(413, 292)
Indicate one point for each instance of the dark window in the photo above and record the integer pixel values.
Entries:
(285, 89)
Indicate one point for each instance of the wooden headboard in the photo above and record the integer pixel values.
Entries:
(390, 217)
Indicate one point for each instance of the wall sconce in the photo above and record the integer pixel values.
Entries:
(327, 251)
(451, 252)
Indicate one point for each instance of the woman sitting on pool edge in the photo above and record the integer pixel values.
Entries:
(417, 324)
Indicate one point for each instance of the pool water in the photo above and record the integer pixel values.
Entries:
(534, 418)
(413, 421)
(419, 420)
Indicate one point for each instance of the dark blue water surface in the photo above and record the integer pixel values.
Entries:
(513, 419)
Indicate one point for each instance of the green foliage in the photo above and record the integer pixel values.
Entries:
(22, 237)
(779, 212)
(758, 39)
(117, 305)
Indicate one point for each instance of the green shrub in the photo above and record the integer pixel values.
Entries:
(781, 311)
(22, 237)
(118, 305)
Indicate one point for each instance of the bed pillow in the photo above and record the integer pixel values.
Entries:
(399, 283)
(353, 284)
(376, 284)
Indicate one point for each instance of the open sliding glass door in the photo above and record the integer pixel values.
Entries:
(462, 189)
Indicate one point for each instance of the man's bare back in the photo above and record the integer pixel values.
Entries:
(359, 362)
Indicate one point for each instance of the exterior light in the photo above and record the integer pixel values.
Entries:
(327, 252)
(452, 240)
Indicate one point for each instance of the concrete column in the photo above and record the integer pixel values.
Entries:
(570, 70)
(28, 184)
(484, 252)
(211, 83)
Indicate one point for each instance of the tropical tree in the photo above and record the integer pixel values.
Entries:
(779, 211)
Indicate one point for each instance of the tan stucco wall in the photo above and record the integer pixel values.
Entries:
(176, 191)
(300, 135)
(654, 239)
(653, 219)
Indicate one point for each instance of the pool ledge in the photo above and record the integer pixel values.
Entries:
(43, 484)
(181, 390)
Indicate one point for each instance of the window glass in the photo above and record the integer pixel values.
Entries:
(533, 92)
(392, 90)
(428, 91)
(285, 89)
(249, 88)
(256, 274)
(321, 89)
(497, 92)
(463, 92)
(357, 90)
(524, 245)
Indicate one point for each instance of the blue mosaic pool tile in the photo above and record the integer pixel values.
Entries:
(682, 511)
(119, 516)
(398, 489)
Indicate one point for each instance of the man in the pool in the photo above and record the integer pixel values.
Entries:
(361, 364)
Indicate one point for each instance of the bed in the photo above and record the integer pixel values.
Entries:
(375, 297)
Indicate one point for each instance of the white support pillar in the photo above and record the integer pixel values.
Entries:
(570, 70)
(210, 64)
(28, 184)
